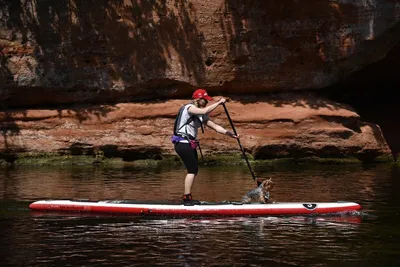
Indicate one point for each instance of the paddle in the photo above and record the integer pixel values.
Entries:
(240, 145)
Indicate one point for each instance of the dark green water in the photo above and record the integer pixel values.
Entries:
(368, 238)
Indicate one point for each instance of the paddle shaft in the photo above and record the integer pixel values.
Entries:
(240, 145)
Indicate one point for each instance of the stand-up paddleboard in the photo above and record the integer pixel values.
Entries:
(203, 209)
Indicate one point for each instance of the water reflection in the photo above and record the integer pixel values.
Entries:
(109, 240)
(49, 239)
(299, 184)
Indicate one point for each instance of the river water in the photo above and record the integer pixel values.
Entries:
(367, 238)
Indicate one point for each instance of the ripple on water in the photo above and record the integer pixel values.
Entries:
(364, 237)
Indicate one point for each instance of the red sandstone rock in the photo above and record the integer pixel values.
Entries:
(91, 52)
(289, 126)
(115, 51)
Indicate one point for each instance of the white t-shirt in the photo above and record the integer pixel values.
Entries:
(192, 127)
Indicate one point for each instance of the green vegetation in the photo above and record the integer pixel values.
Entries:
(384, 158)
(210, 160)
(56, 159)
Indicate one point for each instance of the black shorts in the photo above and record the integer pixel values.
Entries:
(189, 156)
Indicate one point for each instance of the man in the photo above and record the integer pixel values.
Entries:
(191, 117)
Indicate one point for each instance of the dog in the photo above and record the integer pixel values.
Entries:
(261, 193)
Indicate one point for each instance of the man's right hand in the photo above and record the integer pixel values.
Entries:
(222, 101)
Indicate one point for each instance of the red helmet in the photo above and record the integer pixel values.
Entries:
(201, 93)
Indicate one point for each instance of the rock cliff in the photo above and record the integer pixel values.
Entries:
(111, 56)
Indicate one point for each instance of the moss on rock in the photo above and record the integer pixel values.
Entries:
(169, 160)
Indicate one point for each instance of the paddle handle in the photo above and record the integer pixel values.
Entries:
(240, 145)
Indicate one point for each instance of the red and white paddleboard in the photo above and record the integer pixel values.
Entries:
(205, 208)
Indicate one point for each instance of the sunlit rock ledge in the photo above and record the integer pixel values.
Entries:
(279, 126)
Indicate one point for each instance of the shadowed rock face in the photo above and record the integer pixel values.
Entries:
(93, 52)
(115, 51)
(373, 93)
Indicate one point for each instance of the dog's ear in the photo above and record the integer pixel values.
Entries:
(268, 184)
(265, 183)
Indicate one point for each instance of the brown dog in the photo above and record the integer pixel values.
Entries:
(261, 193)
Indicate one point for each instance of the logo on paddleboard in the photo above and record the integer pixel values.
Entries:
(310, 206)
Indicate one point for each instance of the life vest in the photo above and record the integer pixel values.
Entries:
(179, 118)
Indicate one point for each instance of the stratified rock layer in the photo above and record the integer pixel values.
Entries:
(284, 126)
(108, 56)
